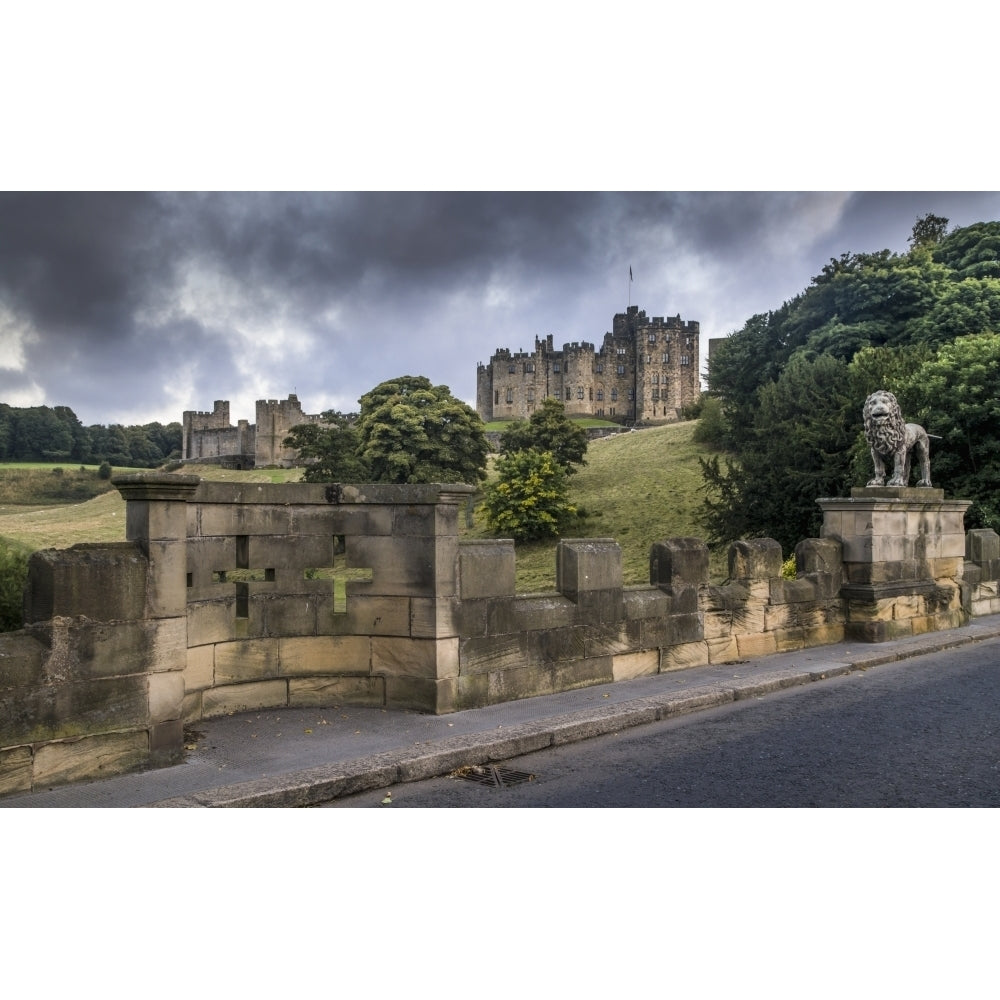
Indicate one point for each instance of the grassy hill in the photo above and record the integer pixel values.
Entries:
(637, 488)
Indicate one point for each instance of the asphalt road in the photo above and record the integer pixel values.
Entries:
(924, 732)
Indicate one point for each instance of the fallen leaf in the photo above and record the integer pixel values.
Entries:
(309, 731)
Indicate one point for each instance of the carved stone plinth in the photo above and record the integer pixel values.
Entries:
(903, 552)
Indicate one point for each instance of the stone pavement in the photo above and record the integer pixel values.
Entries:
(304, 756)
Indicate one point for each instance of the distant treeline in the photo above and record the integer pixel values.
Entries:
(54, 434)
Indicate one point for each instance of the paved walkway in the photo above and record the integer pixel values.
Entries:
(303, 756)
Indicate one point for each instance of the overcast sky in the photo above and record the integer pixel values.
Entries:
(133, 307)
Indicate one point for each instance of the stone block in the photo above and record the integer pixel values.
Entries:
(982, 545)
(433, 619)
(643, 602)
(754, 559)
(206, 557)
(567, 675)
(611, 639)
(824, 635)
(678, 563)
(283, 615)
(102, 582)
(519, 682)
(16, 770)
(586, 565)
(322, 692)
(299, 552)
(550, 645)
(21, 656)
(723, 650)
(419, 694)
(789, 640)
(818, 555)
(627, 666)
(492, 654)
(167, 738)
(471, 616)
(401, 567)
(166, 697)
(307, 655)
(233, 698)
(211, 621)
(91, 757)
(600, 605)
(688, 654)
(247, 660)
(368, 616)
(427, 658)
(167, 591)
(526, 614)
(750, 646)
(200, 670)
(487, 568)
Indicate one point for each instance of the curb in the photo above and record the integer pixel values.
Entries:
(316, 785)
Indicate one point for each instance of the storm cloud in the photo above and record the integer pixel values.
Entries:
(133, 307)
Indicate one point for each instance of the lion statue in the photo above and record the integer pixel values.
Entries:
(892, 440)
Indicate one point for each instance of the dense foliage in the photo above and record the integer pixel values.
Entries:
(413, 432)
(408, 431)
(528, 499)
(329, 449)
(549, 429)
(55, 434)
(13, 579)
(791, 383)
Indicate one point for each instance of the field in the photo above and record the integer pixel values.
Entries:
(638, 487)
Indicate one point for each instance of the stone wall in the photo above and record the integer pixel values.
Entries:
(225, 598)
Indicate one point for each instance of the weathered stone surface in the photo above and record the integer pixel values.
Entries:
(91, 757)
(324, 655)
(487, 568)
(754, 559)
(588, 564)
(982, 545)
(16, 770)
(689, 654)
(166, 697)
(21, 655)
(243, 698)
(626, 666)
(678, 563)
(428, 658)
(249, 660)
(526, 614)
(325, 691)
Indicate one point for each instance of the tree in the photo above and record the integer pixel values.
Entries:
(956, 395)
(549, 429)
(928, 230)
(329, 449)
(528, 499)
(414, 432)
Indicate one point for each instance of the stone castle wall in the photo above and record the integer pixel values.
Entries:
(209, 436)
(225, 598)
(646, 370)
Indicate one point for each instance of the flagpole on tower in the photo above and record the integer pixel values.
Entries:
(630, 285)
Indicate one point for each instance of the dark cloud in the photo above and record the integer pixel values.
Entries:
(136, 306)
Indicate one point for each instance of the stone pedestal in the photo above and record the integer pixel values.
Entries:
(903, 552)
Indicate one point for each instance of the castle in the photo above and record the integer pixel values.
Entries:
(645, 371)
(212, 439)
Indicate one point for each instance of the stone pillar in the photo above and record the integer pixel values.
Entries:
(903, 551)
(156, 521)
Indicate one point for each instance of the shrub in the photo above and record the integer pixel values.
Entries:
(104, 472)
(13, 580)
(528, 500)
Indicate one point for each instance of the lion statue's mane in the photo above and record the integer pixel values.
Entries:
(893, 441)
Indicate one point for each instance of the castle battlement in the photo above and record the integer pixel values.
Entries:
(645, 370)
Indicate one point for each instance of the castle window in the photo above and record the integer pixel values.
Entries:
(510, 395)
(555, 367)
(652, 338)
(600, 395)
(600, 369)
(656, 394)
(656, 379)
(614, 395)
(511, 369)
(579, 392)
(591, 394)
(621, 350)
(649, 359)
(666, 357)
(568, 392)
(531, 395)
(496, 398)
(685, 360)
(631, 394)
(621, 369)
(687, 341)
(529, 368)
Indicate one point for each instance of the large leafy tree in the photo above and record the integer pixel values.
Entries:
(549, 429)
(414, 432)
(329, 449)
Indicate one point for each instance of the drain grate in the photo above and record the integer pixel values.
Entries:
(495, 777)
